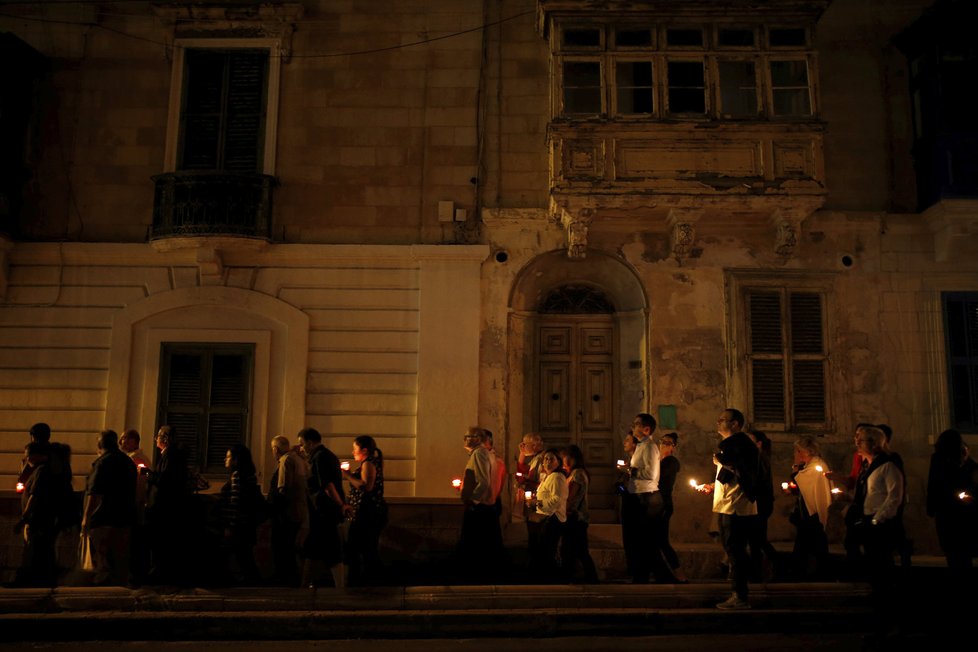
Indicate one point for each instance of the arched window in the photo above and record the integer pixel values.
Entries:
(576, 300)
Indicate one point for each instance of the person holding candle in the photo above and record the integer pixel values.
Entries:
(241, 499)
(644, 508)
(548, 517)
(129, 443)
(38, 519)
(367, 512)
(481, 540)
(574, 546)
(735, 500)
(952, 484)
(811, 513)
(167, 507)
(527, 473)
(877, 501)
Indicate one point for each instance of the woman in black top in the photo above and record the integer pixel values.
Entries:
(240, 496)
(668, 470)
(367, 512)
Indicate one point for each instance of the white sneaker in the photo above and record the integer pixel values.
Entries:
(734, 603)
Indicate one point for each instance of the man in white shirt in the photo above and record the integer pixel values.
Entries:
(643, 507)
(481, 537)
(289, 498)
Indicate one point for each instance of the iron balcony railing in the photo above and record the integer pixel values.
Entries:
(212, 203)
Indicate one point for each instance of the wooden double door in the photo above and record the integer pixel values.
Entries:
(575, 398)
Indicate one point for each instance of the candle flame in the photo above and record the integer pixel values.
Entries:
(528, 494)
(345, 466)
(963, 495)
(20, 487)
(819, 468)
(784, 485)
(621, 462)
(456, 482)
(836, 490)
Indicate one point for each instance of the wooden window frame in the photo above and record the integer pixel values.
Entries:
(741, 357)
(272, 90)
(207, 351)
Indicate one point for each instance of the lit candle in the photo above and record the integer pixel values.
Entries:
(963, 495)
(621, 462)
(693, 483)
(140, 466)
(457, 483)
(528, 494)
(819, 468)
(20, 487)
(836, 490)
(784, 486)
(345, 466)
(519, 475)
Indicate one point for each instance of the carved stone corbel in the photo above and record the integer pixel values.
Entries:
(683, 233)
(576, 225)
(787, 224)
(211, 266)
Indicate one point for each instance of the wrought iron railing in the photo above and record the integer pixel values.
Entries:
(212, 203)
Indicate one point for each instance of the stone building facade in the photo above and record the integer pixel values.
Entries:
(402, 218)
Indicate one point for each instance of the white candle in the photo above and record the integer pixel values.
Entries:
(457, 483)
(528, 494)
(345, 466)
(784, 486)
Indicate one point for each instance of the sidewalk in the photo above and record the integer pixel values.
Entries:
(422, 611)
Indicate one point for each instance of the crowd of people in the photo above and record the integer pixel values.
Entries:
(136, 522)
(139, 523)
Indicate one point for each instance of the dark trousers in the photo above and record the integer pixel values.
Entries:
(735, 533)
(810, 541)
(668, 552)
(363, 541)
(285, 552)
(480, 547)
(544, 538)
(39, 567)
(641, 518)
(574, 548)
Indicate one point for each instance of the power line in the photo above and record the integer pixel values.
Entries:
(296, 55)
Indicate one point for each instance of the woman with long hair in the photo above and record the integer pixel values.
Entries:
(668, 470)
(574, 546)
(239, 495)
(367, 512)
(547, 517)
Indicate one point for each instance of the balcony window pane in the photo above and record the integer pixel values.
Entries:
(581, 38)
(789, 84)
(787, 37)
(633, 81)
(684, 37)
(738, 88)
(736, 38)
(582, 87)
(687, 93)
(633, 38)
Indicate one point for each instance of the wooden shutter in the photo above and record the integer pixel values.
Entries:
(808, 358)
(787, 357)
(223, 116)
(961, 332)
(206, 395)
(767, 357)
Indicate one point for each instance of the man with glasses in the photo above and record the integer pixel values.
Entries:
(735, 500)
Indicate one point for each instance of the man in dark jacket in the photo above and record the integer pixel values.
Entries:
(110, 510)
(326, 501)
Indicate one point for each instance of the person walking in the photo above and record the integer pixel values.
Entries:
(668, 471)
(288, 496)
(168, 511)
(241, 500)
(735, 500)
(324, 548)
(574, 545)
(811, 513)
(109, 511)
(38, 520)
(480, 545)
(367, 511)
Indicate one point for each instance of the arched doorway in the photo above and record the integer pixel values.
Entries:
(578, 369)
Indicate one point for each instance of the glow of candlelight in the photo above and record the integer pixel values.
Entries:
(140, 466)
(784, 486)
(345, 466)
(457, 483)
(693, 484)
(819, 468)
(963, 495)
(528, 494)
(20, 487)
(836, 490)
(621, 462)
(519, 475)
